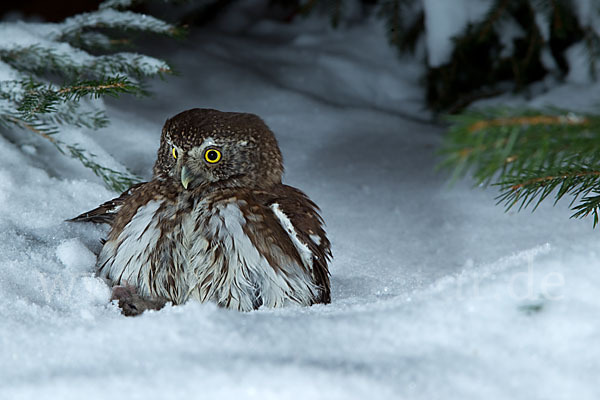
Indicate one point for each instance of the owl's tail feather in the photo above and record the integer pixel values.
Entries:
(106, 213)
(96, 216)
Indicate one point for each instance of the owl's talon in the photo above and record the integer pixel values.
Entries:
(131, 303)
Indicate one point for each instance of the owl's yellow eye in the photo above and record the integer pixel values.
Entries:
(212, 156)
(174, 152)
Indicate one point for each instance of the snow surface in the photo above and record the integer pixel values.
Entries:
(437, 293)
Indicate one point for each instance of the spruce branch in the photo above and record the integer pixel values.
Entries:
(69, 114)
(532, 187)
(529, 120)
(589, 205)
(37, 59)
(529, 154)
(96, 41)
(40, 98)
(41, 131)
(51, 73)
(117, 180)
(112, 86)
(109, 18)
(39, 112)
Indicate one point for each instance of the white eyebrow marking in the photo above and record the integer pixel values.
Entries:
(209, 141)
(199, 150)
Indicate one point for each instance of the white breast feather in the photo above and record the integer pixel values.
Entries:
(247, 271)
(130, 259)
(231, 272)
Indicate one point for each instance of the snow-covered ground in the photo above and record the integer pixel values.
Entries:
(437, 293)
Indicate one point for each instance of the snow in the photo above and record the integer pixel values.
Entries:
(511, 31)
(437, 293)
(578, 58)
(587, 12)
(74, 255)
(446, 19)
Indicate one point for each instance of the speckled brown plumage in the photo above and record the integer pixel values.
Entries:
(227, 231)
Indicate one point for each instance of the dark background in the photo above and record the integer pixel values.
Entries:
(53, 11)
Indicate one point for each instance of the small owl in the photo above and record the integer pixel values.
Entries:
(215, 223)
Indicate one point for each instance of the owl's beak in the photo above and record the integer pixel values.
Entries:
(186, 177)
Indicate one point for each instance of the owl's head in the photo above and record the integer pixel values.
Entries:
(201, 147)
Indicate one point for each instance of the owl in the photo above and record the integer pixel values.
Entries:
(215, 223)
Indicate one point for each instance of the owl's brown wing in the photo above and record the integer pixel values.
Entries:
(304, 216)
(106, 213)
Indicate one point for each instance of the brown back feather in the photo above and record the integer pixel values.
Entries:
(304, 215)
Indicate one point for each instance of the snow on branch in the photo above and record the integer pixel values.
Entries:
(114, 19)
(39, 59)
